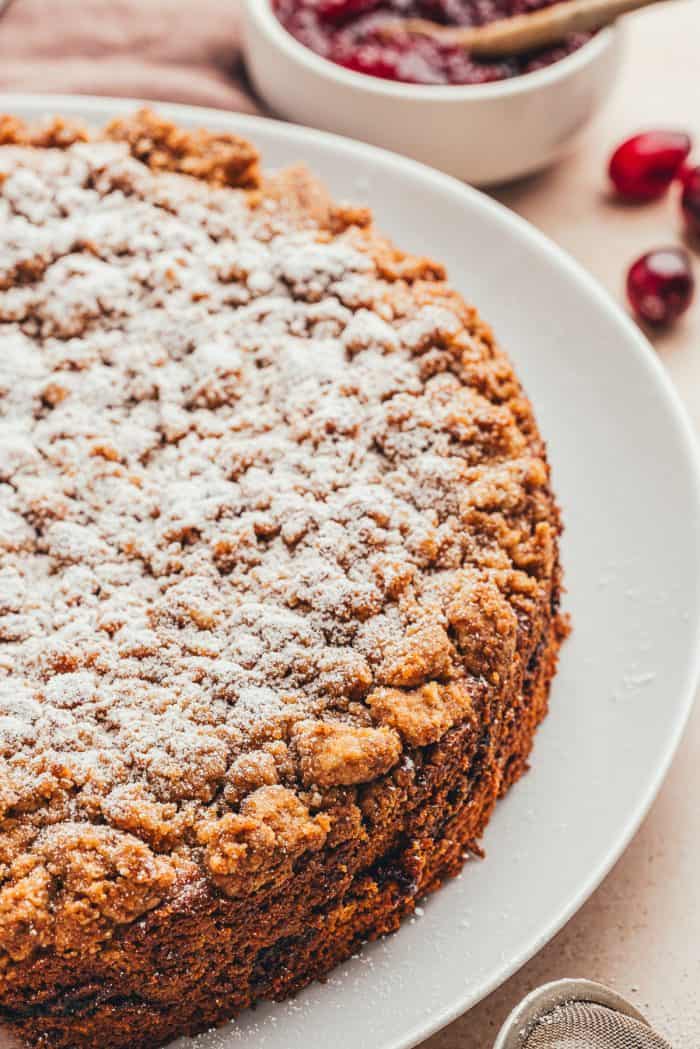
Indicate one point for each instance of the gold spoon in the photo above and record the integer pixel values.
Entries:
(513, 36)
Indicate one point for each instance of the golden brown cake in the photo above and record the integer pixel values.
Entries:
(279, 582)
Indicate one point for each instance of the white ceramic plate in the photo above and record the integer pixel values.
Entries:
(626, 472)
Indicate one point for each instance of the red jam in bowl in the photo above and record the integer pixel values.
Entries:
(353, 34)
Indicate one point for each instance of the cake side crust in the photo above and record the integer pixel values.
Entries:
(217, 970)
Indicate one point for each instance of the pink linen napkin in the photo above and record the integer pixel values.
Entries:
(176, 50)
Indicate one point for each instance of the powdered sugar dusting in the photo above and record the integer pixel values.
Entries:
(227, 451)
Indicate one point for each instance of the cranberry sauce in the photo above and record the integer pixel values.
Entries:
(352, 34)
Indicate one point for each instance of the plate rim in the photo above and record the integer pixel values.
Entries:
(89, 107)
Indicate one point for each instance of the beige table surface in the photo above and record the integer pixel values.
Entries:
(640, 932)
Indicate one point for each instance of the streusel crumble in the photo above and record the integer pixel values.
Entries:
(278, 581)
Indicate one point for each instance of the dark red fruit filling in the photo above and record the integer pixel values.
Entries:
(660, 285)
(342, 9)
(644, 166)
(354, 34)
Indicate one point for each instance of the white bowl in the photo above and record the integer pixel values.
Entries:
(482, 133)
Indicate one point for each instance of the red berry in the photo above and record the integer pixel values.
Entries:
(660, 285)
(690, 200)
(644, 166)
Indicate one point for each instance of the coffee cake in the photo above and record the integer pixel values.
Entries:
(279, 581)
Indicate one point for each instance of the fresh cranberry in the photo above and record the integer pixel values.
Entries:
(660, 285)
(690, 200)
(644, 166)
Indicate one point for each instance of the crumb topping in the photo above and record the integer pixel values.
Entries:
(272, 508)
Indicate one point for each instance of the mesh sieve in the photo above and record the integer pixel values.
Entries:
(585, 1025)
(577, 1014)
